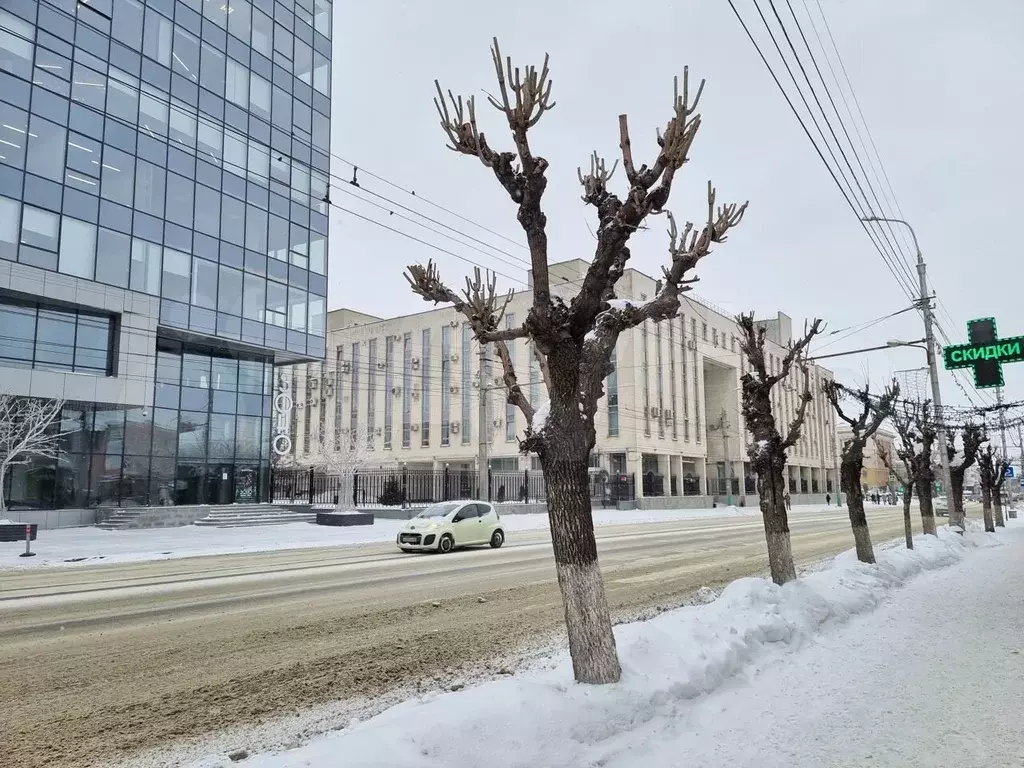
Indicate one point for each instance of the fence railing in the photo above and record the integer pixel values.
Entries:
(416, 487)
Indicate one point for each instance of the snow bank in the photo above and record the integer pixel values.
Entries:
(543, 719)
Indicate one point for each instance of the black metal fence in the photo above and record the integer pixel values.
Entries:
(399, 486)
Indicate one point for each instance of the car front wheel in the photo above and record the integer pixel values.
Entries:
(446, 544)
(497, 539)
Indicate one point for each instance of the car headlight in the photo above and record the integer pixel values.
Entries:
(433, 527)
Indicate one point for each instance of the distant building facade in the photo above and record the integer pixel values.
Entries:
(671, 414)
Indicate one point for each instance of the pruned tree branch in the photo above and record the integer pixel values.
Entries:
(514, 393)
(480, 302)
(542, 363)
(525, 183)
(795, 426)
(649, 190)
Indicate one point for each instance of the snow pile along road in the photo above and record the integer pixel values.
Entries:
(543, 719)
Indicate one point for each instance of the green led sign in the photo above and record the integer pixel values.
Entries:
(985, 353)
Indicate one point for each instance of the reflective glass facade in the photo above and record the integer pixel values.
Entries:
(206, 440)
(178, 148)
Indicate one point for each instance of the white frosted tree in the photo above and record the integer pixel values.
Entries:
(355, 453)
(25, 433)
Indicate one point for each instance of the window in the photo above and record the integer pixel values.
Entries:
(259, 96)
(406, 389)
(704, 331)
(277, 304)
(38, 336)
(123, 96)
(211, 68)
(89, 87)
(612, 385)
(317, 317)
(467, 379)
(446, 384)
(83, 158)
(262, 33)
(113, 257)
(207, 210)
(389, 353)
(15, 50)
(237, 84)
(10, 213)
(510, 410)
(77, 248)
(13, 132)
(153, 112)
(254, 301)
(229, 291)
(127, 22)
(46, 145)
(672, 375)
(177, 270)
(150, 185)
(146, 266)
(425, 363)
(353, 424)
(204, 283)
(322, 74)
(714, 336)
(661, 380)
(117, 176)
(39, 229)
(371, 388)
(156, 42)
(682, 341)
(183, 125)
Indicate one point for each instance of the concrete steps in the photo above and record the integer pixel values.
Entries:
(122, 519)
(240, 516)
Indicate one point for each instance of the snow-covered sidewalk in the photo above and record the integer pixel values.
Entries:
(912, 662)
(89, 546)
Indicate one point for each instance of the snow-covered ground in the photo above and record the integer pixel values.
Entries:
(912, 662)
(76, 546)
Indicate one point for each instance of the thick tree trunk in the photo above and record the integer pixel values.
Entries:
(591, 640)
(850, 471)
(986, 508)
(908, 529)
(776, 524)
(347, 493)
(924, 498)
(955, 499)
(997, 507)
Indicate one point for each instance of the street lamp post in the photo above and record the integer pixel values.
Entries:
(933, 371)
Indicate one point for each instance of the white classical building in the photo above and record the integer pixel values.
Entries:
(671, 416)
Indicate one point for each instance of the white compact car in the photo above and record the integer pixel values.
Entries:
(450, 524)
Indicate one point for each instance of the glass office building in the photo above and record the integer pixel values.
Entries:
(166, 160)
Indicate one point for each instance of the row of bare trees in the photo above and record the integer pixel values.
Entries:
(573, 338)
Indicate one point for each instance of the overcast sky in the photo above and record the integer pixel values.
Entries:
(938, 82)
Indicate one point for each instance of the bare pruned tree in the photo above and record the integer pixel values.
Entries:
(873, 411)
(325, 455)
(919, 445)
(26, 433)
(574, 341)
(899, 460)
(1000, 465)
(768, 449)
(959, 461)
(988, 463)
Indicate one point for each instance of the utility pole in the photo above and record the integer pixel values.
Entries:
(484, 432)
(955, 521)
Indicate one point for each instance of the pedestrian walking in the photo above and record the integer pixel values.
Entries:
(828, 499)
(786, 498)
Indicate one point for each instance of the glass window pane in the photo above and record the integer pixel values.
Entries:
(156, 41)
(222, 436)
(118, 176)
(186, 54)
(237, 84)
(13, 135)
(255, 297)
(84, 155)
(192, 431)
(55, 340)
(46, 147)
(180, 199)
(240, 20)
(88, 87)
(146, 266)
(113, 256)
(149, 188)
(77, 248)
(127, 22)
(277, 304)
(229, 291)
(207, 210)
(18, 339)
(153, 111)
(211, 140)
(10, 219)
(262, 32)
(177, 274)
(256, 230)
(259, 162)
(195, 370)
(123, 96)
(204, 283)
(318, 254)
(232, 215)
(317, 316)
(211, 71)
(39, 228)
(322, 74)
(52, 72)
(93, 345)
(296, 309)
(183, 125)
(15, 51)
(236, 149)
(259, 96)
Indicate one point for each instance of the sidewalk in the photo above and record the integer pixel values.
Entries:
(934, 677)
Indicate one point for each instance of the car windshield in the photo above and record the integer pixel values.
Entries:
(438, 510)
